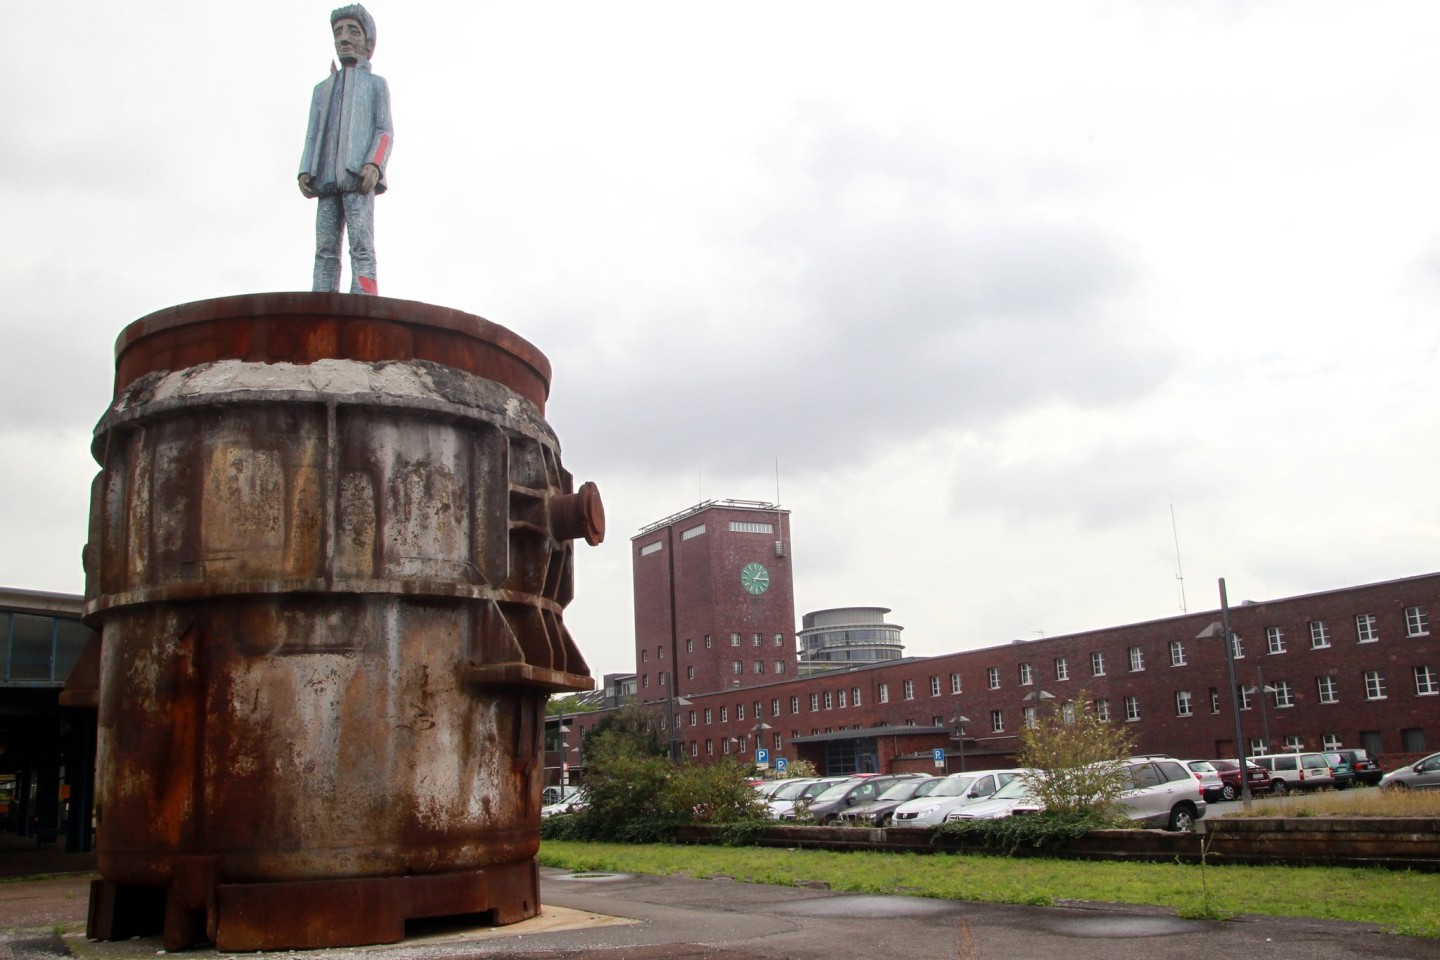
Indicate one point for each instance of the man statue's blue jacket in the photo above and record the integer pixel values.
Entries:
(349, 127)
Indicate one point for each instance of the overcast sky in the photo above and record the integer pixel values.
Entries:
(996, 284)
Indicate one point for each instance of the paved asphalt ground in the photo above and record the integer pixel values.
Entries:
(594, 916)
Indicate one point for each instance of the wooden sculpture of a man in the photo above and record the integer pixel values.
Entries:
(346, 148)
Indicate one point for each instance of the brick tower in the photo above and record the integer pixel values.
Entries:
(714, 599)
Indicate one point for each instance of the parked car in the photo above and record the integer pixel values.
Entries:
(827, 806)
(877, 812)
(956, 790)
(1163, 793)
(765, 789)
(1209, 777)
(1423, 774)
(784, 798)
(1296, 771)
(555, 793)
(1340, 769)
(783, 805)
(1367, 771)
(574, 803)
(1229, 771)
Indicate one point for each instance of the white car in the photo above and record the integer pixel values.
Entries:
(783, 801)
(1164, 793)
(1210, 783)
(574, 803)
(955, 791)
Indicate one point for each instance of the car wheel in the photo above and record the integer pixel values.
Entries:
(1397, 785)
(1279, 787)
(1228, 792)
(1182, 817)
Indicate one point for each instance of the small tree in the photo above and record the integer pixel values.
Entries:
(1078, 757)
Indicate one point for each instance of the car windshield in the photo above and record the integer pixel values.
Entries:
(1014, 790)
(903, 789)
(927, 787)
(1201, 766)
(790, 790)
(836, 791)
(1225, 765)
(813, 791)
(952, 787)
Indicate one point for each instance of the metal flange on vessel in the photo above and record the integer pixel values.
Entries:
(330, 547)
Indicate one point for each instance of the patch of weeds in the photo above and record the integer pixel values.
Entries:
(1041, 831)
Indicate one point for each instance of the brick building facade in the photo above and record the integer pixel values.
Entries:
(714, 601)
(1357, 667)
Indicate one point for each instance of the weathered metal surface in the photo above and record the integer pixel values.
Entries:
(330, 596)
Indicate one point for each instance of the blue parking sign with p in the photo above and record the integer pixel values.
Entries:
(939, 754)
(780, 764)
(762, 757)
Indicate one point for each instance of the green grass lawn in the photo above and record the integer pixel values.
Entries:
(1396, 901)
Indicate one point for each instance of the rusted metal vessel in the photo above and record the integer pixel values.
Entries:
(330, 547)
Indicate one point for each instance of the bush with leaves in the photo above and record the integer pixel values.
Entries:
(635, 794)
(1077, 757)
(1039, 830)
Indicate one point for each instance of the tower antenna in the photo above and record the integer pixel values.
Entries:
(1179, 570)
(779, 537)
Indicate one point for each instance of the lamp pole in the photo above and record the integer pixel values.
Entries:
(1234, 700)
(1262, 688)
(959, 720)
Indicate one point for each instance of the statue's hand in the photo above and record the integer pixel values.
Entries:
(369, 176)
(306, 189)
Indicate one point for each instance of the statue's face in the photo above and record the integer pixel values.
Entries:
(349, 39)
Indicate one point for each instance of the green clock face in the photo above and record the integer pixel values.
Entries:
(755, 578)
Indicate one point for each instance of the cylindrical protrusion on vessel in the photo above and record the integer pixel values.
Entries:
(578, 515)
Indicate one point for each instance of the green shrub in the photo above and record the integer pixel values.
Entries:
(1042, 831)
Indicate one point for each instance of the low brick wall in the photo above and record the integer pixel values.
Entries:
(1411, 843)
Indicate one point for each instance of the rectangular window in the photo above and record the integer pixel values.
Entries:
(645, 681)
(840, 698)
(756, 640)
(1027, 717)
(1374, 685)
(707, 641)
(779, 639)
(739, 711)
(1257, 746)
(725, 746)
(993, 673)
(1097, 664)
(954, 683)
(644, 656)
(1426, 682)
(1237, 650)
(689, 645)
(997, 721)
(692, 533)
(814, 702)
(709, 748)
(760, 666)
(1182, 703)
(663, 675)
(779, 666)
(1067, 712)
(1417, 624)
(1177, 653)
(1412, 740)
(1365, 628)
(1330, 741)
(909, 690)
(724, 714)
(794, 704)
(1325, 687)
(1027, 675)
(1274, 640)
(650, 548)
(758, 712)
(1242, 696)
(829, 700)
(1132, 709)
(1319, 635)
(694, 748)
(1137, 659)
(692, 718)
(855, 696)
(734, 639)
(1062, 670)
(1102, 709)
(1294, 743)
(1284, 695)
(1214, 699)
(736, 667)
(934, 686)
(884, 693)
(774, 707)
(742, 526)
(708, 716)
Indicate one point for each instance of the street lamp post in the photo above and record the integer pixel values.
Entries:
(1223, 629)
(1263, 689)
(1038, 697)
(959, 721)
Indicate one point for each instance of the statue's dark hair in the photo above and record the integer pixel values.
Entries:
(367, 23)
